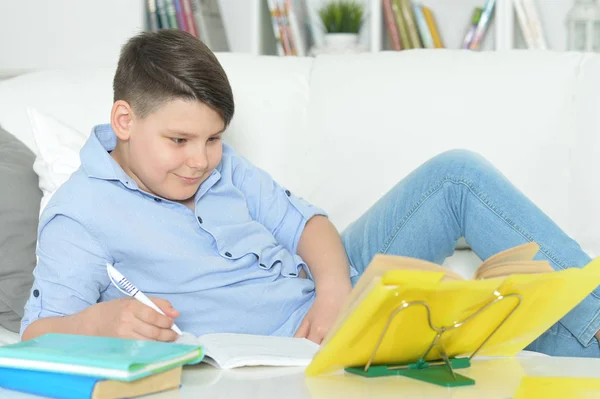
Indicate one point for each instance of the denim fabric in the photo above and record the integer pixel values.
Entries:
(460, 194)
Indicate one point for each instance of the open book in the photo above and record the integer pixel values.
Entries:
(403, 310)
(228, 350)
(516, 260)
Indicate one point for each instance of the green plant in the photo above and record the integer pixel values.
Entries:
(342, 16)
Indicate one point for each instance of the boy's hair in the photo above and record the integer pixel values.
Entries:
(156, 67)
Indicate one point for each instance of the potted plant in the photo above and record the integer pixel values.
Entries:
(342, 21)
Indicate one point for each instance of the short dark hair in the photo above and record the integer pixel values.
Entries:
(156, 67)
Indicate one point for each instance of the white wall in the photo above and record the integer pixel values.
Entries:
(37, 34)
(64, 33)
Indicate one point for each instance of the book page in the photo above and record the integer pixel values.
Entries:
(228, 350)
(524, 252)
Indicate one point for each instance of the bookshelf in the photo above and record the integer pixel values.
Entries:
(452, 17)
(452, 22)
(503, 34)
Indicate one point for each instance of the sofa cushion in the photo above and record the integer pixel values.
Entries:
(58, 152)
(19, 206)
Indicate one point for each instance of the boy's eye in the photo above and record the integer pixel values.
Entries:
(178, 141)
(214, 138)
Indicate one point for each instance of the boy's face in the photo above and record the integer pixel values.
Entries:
(171, 151)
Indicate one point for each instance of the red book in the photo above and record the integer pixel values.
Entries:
(188, 16)
(392, 27)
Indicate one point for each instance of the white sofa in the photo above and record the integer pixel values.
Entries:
(341, 130)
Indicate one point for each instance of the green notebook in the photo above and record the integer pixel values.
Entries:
(112, 358)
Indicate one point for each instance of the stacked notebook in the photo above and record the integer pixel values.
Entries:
(67, 366)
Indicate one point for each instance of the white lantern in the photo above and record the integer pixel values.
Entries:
(584, 26)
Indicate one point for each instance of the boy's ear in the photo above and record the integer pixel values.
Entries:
(120, 119)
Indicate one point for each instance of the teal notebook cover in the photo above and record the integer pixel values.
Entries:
(114, 358)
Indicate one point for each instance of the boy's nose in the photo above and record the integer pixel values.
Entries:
(199, 160)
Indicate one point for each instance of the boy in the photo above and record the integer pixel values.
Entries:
(221, 247)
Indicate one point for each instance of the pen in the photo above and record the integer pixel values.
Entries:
(129, 289)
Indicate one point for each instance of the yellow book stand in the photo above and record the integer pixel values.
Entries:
(418, 325)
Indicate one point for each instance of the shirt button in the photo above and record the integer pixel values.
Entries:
(36, 293)
(228, 254)
(287, 192)
(199, 220)
(157, 199)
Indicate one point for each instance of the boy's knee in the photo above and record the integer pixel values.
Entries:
(461, 162)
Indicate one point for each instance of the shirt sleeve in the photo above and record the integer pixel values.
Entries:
(70, 273)
(275, 207)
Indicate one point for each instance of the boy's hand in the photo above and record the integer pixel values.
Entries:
(129, 318)
(321, 316)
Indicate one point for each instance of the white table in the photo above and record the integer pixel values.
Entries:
(495, 379)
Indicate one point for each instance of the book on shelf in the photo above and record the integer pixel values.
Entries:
(422, 26)
(433, 29)
(408, 18)
(410, 25)
(482, 25)
(530, 24)
(200, 18)
(404, 310)
(391, 25)
(290, 34)
(475, 17)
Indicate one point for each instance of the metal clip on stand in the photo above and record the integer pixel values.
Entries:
(439, 372)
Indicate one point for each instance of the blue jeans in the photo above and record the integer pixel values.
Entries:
(460, 194)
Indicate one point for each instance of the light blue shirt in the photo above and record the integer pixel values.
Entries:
(229, 266)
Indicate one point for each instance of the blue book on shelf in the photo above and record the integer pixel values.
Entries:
(100, 357)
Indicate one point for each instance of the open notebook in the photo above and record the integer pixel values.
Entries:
(228, 350)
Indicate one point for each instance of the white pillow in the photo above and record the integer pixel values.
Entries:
(58, 152)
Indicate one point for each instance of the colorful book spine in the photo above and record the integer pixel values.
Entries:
(535, 26)
(484, 21)
(153, 23)
(422, 26)
(295, 31)
(391, 25)
(286, 33)
(188, 15)
(475, 17)
(523, 23)
(179, 15)
(411, 26)
(402, 27)
(161, 10)
(171, 14)
(435, 33)
(277, 31)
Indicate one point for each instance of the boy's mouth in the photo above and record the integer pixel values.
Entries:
(189, 180)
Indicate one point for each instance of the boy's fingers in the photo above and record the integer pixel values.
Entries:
(315, 336)
(152, 332)
(150, 316)
(166, 307)
(303, 330)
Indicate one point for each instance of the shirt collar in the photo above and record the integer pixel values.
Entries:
(96, 160)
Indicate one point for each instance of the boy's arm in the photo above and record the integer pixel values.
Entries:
(321, 248)
(69, 276)
(70, 271)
